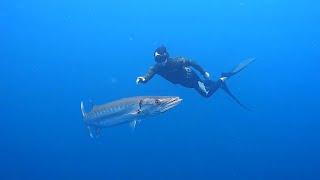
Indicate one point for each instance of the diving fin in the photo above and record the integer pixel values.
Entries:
(242, 65)
(237, 69)
(95, 132)
(226, 89)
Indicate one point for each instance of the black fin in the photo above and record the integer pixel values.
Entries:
(226, 89)
(242, 65)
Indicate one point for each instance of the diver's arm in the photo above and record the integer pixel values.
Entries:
(196, 66)
(144, 79)
(152, 71)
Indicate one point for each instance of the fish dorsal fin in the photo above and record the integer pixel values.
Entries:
(95, 132)
(136, 112)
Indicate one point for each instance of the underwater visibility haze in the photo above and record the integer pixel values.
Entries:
(55, 54)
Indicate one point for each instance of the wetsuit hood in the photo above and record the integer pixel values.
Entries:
(160, 54)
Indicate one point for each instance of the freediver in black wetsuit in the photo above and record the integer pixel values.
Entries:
(179, 71)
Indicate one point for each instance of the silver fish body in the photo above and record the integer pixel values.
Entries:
(126, 110)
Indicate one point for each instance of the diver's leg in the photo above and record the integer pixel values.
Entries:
(213, 86)
(207, 88)
(201, 92)
(204, 87)
(200, 86)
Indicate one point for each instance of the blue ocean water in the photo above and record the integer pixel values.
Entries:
(55, 53)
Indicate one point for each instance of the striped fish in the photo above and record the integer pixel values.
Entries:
(128, 110)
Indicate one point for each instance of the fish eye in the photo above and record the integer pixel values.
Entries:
(157, 101)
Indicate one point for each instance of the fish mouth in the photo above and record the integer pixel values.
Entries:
(171, 103)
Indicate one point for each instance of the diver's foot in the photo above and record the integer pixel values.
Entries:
(203, 87)
(223, 79)
(225, 76)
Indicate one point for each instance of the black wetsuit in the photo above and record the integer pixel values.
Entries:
(179, 71)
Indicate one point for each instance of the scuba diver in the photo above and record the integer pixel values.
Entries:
(181, 71)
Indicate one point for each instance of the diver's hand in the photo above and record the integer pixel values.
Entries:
(140, 80)
(206, 75)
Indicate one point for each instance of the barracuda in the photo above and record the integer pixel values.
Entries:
(128, 110)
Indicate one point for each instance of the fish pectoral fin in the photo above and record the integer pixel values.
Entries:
(94, 131)
(136, 112)
(133, 113)
(134, 123)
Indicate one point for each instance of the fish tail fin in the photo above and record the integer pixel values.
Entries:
(94, 131)
(82, 109)
(86, 107)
